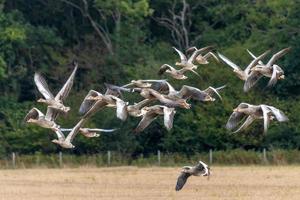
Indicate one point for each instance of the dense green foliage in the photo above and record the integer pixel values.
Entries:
(117, 41)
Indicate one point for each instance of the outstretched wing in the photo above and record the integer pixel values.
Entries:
(211, 90)
(182, 178)
(229, 62)
(247, 123)
(75, 130)
(273, 79)
(252, 79)
(42, 86)
(164, 68)
(197, 52)
(168, 117)
(88, 103)
(236, 117)
(254, 62)
(187, 92)
(147, 119)
(34, 113)
(280, 116)
(181, 55)
(121, 108)
(65, 90)
(51, 114)
(265, 111)
(278, 55)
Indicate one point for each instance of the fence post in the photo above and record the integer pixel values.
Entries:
(108, 157)
(60, 159)
(265, 156)
(210, 157)
(158, 157)
(13, 157)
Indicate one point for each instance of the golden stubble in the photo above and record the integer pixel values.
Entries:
(127, 183)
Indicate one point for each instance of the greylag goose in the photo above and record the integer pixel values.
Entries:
(201, 169)
(242, 74)
(253, 112)
(35, 116)
(149, 93)
(269, 70)
(150, 113)
(187, 92)
(57, 101)
(89, 132)
(66, 142)
(174, 73)
(142, 83)
(203, 60)
(95, 101)
(188, 63)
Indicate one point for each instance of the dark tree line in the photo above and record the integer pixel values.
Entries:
(120, 40)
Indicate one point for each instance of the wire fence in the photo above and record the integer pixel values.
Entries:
(112, 158)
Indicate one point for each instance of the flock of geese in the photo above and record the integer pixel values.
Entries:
(160, 98)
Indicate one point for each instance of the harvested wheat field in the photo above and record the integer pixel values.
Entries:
(149, 183)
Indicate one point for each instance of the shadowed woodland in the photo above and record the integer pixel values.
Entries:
(115, 41)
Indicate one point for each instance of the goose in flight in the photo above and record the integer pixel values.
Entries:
(56, 102)
(271, 70)
(242, 74)
(202, 60)
(149, 93)
(151, 113)
(187, 92)
(66, 142)
(89, 132)
(188, 63)
(35, 116)
(95, 101)
(253, 112)
(201, 169)
(142, 83)
(174, 73)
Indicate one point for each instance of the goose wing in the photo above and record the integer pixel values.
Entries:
(197, 52)
(51, 114)
(278, 55)
(211, 90)
(247, 123)
(34, 113)
(75, 130)
(229, 62)
(211, 54)
(181, 180)
(115, 90)
(42, 86)
(252, 79)
(236, 117)
(273, 79)
(88, 103)
(168, 117)
(60, 135)
(147, 119)
(164, 68)
(121, 110)
(187, 92)
(102, 130)
(266, 118)
(254, 62)
(181, 55)
(280, 116)
(65, 90)
(254, 57)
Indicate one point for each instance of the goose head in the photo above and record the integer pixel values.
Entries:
(31, 120)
